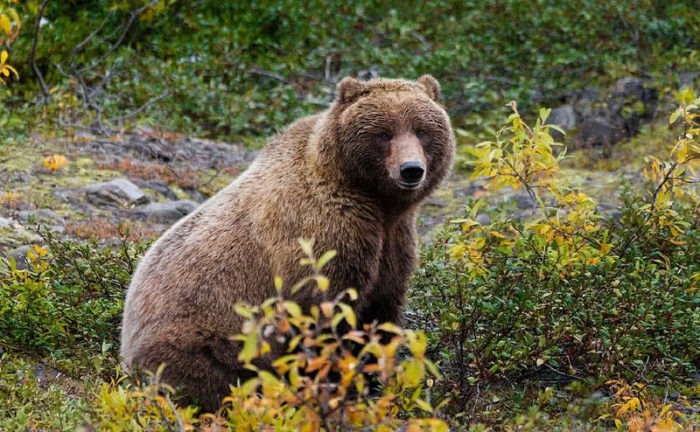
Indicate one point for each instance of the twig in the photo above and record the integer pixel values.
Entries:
(426, 45)
(649, 215)
(173, 408)
(564, 374)
(32, 55)
(268, 74)
(141, 108)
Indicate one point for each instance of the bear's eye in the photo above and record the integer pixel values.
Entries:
(421, 134)
(385, 136)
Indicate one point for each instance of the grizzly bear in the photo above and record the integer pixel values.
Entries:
(351, 177)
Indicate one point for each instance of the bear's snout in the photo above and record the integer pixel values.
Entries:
(411, 173)
(406, 161)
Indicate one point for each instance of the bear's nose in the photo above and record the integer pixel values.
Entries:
(411, 172)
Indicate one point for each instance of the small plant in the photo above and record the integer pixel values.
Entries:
(120, 406)
(635, 410)
(324, 380)
(55, 162)
(9, 198)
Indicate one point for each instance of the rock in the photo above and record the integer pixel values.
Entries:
(435, 202)
(194, 194)
(604, 120)
(687, 79)
(6, 223)
(483, 219)
(366, 75)
(118, 192)
(635, 88)
(565, 118)
(168, 212)
(475, 188)
(159, 187)
(600, 131)
(524, 201)
(20, 256)
(41, 215)
(585, 104)
(633, 99)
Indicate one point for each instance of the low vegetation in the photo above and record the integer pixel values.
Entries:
(571, 316)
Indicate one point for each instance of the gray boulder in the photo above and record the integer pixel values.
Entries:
(116, 193)
(563, 117)
(41, 215)
(604, 120)
(687, 79)
(168, 212)
(599, 131)
(20, 256)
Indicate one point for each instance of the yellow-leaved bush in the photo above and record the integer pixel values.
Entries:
(331, 374)
(564, 288)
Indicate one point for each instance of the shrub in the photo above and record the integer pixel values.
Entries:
(324, 378)
(68, 303)
(568, 293)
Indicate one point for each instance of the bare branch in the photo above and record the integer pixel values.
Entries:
(141, 108)
(32, 55)
(268, 74)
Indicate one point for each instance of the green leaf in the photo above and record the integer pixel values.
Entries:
(674, 116)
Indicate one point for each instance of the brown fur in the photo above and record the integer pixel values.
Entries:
(332, 177)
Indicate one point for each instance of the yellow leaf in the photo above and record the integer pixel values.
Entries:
(55, 162)
(425, 406)
(390, 327)
(413, 372)
(323, 283)
(293, 308)
(349, 314)
(278, 284)
(5, 26)
(664, 425)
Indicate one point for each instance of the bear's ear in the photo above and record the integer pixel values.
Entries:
(348, 90)
(432, 87)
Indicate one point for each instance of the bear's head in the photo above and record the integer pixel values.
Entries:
(392, 137)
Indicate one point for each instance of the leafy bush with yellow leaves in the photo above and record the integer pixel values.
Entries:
(327, 374)
(568, 293)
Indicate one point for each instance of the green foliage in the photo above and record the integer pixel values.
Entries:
(30, 403)
(567, 292)
(247, 68)
(68, 303)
